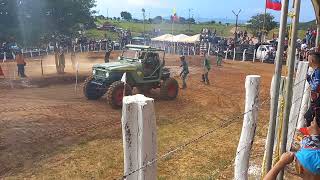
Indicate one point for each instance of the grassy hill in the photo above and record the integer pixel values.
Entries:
(138, 28)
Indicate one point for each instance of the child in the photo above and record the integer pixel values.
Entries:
(307, 158)
(314, 81)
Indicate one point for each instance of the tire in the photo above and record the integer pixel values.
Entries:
(92, 91)
(115, 94)
(169, 89)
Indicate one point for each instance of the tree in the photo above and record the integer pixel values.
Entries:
(191, 20)
(255, 24)
(157, 20)
(32, 21)
(126, 15)
(182, 20)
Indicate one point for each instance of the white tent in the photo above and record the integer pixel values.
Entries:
(193, 39)
(180, 38)
(164, 37)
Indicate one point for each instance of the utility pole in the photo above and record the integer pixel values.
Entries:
(276, 85)
(189, 20)
(235, 33)
(144, 25)
(288, 96)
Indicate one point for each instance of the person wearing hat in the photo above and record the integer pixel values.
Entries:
(308, 156)
(184, 72)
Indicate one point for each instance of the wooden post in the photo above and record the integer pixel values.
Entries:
(77, 73)
(139, 137)
(244, 55)
(252, 86)
(41, 66)
(226, 57)
(254, 55)
(80, 48)
(31, 54)
(275, 93)
(304, 106)
(298, 93)
(4, 57)
(234, 54)
(289, 85)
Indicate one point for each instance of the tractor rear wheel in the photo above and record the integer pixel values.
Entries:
(92, 91)
(115, 94)
(169, 89)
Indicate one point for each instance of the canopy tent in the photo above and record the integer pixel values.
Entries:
(181, 38)
(193, 39)
(164, 37)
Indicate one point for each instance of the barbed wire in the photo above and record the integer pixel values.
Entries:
(195, 140)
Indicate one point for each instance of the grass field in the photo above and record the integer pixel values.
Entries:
(138, 28)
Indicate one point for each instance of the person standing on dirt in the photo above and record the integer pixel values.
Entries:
(219, 58)
(62, 61)
(206, 69)
(184, 72)
(107, 55)
(21, 64)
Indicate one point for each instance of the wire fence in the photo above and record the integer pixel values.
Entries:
(227, 122)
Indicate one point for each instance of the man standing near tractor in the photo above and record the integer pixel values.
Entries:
(107, 55)
(206, 69)
(184, 72)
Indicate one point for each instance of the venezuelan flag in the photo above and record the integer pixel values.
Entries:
(273, 4)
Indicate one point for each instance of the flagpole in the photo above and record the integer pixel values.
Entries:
(264, 22)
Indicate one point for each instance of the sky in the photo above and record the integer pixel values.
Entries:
(211, 9)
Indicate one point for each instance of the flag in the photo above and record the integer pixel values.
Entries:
(273, 4)
(124, 78)
(174, 17)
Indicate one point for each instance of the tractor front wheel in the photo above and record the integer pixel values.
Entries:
(92, 91)
(169, 89)
(115, 94)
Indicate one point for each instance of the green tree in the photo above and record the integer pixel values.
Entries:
(255, 24)
(157, 20)
(126, 15)
(31, 21)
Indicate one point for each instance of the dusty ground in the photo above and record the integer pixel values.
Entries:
(52, 132)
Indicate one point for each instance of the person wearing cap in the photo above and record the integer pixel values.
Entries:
(206, 69)
(314, 81)
(307, 158)
(184, 72)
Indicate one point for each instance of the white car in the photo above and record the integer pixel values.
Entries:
(265, 52)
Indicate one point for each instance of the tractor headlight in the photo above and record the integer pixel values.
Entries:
(94, 72)
(107, 74)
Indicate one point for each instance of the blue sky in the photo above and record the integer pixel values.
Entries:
(200, 8)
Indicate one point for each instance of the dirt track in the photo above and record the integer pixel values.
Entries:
(38, 125)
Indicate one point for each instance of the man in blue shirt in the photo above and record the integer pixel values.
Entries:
(314, 81)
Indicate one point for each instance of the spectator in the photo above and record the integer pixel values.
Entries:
(206, 69)
(21, 64)
(185, 71)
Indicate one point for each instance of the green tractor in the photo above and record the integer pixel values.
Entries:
(144, 68)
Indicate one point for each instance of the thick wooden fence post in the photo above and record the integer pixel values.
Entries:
(234, 54)
(252, 86)
(139, 137)
(304, 106)
(254, 55)
(298, 90)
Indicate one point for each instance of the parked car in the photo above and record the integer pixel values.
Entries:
(265, 53)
